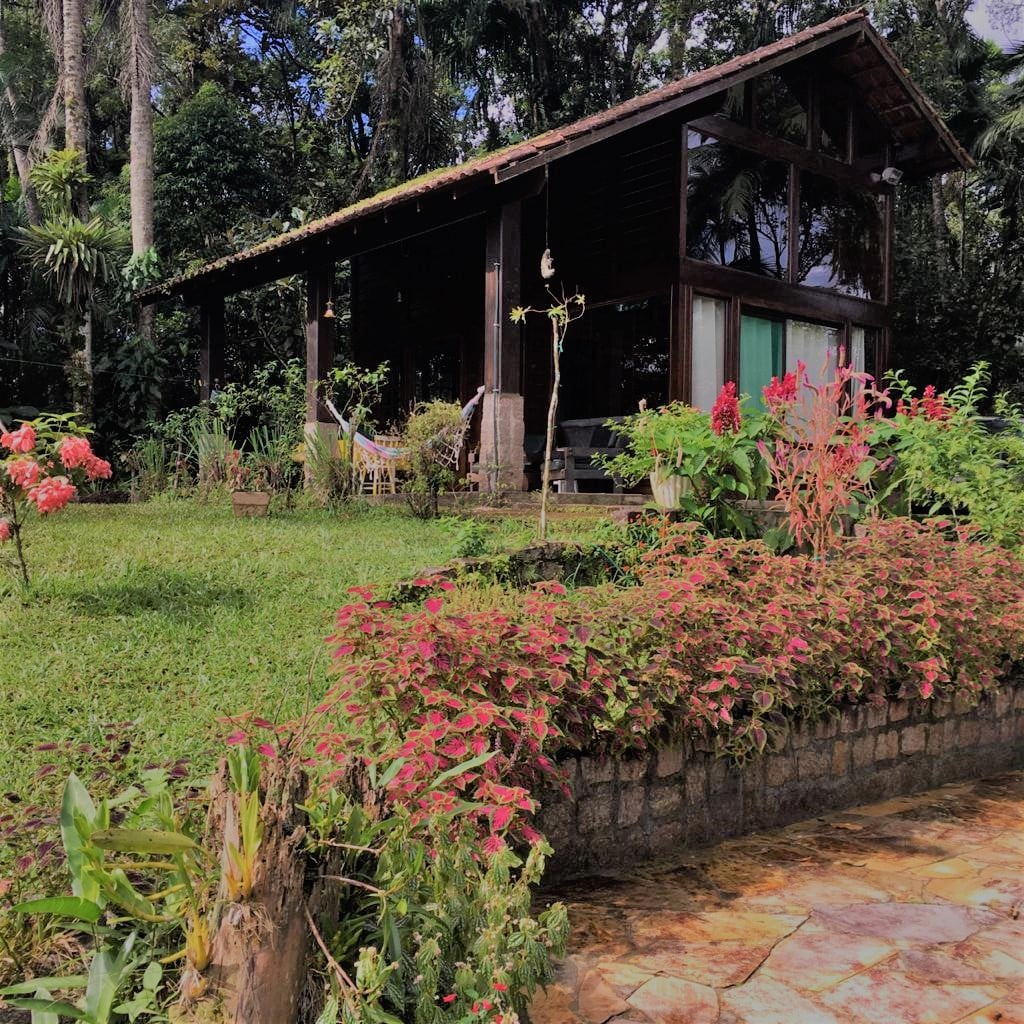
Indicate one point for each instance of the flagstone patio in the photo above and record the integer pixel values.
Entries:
(903, 912)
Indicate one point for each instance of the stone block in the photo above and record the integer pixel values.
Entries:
(667, 838)
(942, 708)
(989, 731)
(509, 416)
(912, 739)
(875, 715)
(632, 769)
(827, 728)
(631, 804)
(841, 758)
(1004, 702)
(670, 761)
(813, 764)
(887, 745)
(666, 801)
(594, 813)
(1018, 697)
(863, 751)
(752, 776)
(778, 769)
(898, 710)
(597, 770)
(933, 739)
(718, 771)
(962, 705)
(949, 734)
(852, 720)
(1007, 731)
(695, 779)
(801, 735)
(970, 733)
(557, 821)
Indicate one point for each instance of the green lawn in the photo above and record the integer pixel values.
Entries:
(172, 615)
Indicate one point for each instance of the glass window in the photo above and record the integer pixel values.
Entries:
(708, 358)
(781, 106)
(760, 355)
(737, 212)
(840, 234)
(734, 104)
(835, 125)
(869, 138)
(814, 345)
(616, 355)
(864, 349)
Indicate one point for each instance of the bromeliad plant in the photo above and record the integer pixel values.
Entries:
(41, 465)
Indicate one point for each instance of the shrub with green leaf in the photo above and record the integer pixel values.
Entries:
(718, 468)
(950, 460)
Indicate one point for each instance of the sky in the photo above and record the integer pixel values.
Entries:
(979, 20)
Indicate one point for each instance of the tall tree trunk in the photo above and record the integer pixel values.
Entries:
(76, 136)
(76, 113)
(939, 226)
(19, 146)
(140, 42)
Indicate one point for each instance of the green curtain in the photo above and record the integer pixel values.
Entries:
(760, 355)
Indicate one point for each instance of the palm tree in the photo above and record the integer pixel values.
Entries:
(1002, 143)
(73, 255)
(137, 81)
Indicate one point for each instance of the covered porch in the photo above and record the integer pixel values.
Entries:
(685, 289)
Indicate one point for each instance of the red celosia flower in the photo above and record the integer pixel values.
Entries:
(779, 394)
(934, 405)
(725, 414)
(22, 440)
(5, 531)
(931, 404)
(450, 998)
(74, 452)
(52, 494)
(23, 472)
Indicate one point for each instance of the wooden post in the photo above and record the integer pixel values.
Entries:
(319, 338)
(211, 351)
(680, 341)
(501, 428)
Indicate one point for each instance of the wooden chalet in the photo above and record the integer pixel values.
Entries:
(721, 227)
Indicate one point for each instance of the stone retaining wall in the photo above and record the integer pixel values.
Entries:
(624, 811)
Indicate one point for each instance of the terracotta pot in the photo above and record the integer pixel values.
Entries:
(250, 503)
(668, 488)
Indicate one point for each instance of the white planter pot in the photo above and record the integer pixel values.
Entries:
(667, 488)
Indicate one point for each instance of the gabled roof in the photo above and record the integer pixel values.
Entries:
(867, 60)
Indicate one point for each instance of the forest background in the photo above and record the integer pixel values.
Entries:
(209, 125)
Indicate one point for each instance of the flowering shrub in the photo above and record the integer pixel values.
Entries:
(43, 459)
(945, 460)
(730, 642)
(821, 462)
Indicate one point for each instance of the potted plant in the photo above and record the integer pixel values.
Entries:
(697, 463)
(246, 498)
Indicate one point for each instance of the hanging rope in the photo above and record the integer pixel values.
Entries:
(547, 263)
